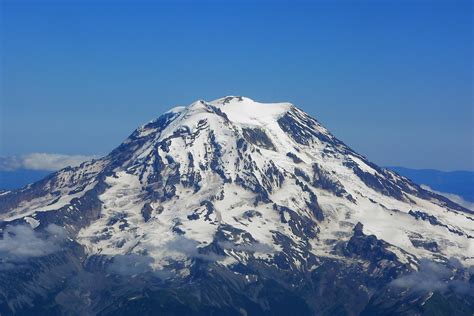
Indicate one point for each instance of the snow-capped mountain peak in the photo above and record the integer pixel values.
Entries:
(237, 182)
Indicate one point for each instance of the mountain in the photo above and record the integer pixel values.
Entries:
(455, 185)
(233, 207)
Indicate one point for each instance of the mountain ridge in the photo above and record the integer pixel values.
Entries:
(240, 191)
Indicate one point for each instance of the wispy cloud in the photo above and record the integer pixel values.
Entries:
(177, 249)
(453, 197)
(131, 264)
(42, 161)
(21, 242)
(432, 276)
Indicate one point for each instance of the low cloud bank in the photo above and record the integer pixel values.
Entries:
(131, 264)
(42, 161)
(432, 276)
(21, 242)
(453, 197)
(134, 264)
(179, 247)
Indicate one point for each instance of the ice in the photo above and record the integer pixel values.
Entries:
(122, 229)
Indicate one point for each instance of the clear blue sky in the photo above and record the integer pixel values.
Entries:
(392, 79)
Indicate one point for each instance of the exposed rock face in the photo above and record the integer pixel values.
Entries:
(232, 207)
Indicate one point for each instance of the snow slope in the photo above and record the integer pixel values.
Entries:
(251, 178)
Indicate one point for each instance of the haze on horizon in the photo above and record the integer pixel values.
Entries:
(79, 76)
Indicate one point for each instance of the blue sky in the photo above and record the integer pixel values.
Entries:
(392, 79)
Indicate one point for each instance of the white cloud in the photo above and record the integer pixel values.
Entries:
(21, 242)
(42, 161)
(453, 197)
(133, 264)
(434, 276)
